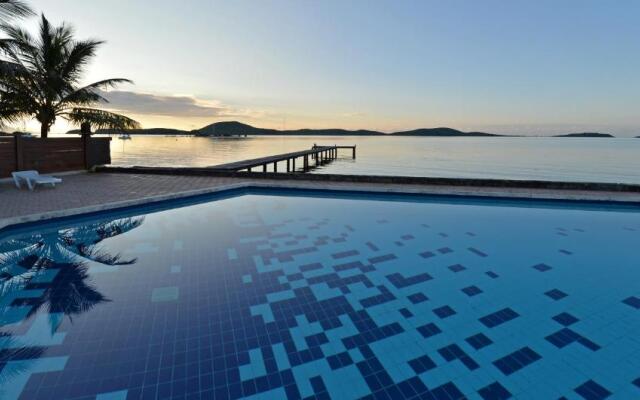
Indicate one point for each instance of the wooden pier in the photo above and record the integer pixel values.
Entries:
(319, 154)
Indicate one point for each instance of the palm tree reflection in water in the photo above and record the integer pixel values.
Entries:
(66, 254)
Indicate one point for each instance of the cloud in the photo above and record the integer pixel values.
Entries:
(175, 106)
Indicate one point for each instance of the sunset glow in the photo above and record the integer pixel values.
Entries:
(371, 65)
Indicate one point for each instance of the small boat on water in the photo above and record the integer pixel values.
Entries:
(124, 136)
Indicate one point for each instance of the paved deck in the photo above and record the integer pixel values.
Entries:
(84, 192)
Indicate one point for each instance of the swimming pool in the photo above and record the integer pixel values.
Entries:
(264, 294)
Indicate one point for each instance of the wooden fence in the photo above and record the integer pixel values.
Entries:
(52, 154)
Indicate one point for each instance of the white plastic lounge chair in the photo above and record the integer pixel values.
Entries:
(33, 178)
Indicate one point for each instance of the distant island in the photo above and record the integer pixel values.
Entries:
(235, 128)
(441, 132)
(587, 134)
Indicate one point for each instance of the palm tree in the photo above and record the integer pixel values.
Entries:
(13, 9)
(40, 78)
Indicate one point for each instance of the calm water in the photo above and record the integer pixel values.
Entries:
(254, 296)
(573, 159)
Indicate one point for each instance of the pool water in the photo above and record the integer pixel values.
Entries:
(293, 295)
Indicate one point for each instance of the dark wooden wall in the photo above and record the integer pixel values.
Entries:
(52, 154)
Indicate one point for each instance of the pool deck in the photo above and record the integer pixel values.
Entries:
(89, 192)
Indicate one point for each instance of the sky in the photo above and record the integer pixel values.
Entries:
(518, 67)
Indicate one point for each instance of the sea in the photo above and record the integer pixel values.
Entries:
(540, 158)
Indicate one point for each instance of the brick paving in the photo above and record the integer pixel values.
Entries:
(84, 190)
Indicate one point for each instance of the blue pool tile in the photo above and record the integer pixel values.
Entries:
(632, 301)
(340, 360)
(542, 267)
(478, 341)
(345, 254)
(471, 290)
(447, 391)
(118, 395)
(417, 298)
(444, 311)
(556, 294)
(457, 268)
(383, 258)
(232, 254)
(311, 267)
(566, 336)
(454, 352)
(565, 319)
(429, 330)
(400, 281)
(499, 317)
(591, 390)
(406, 312)
(478, 252)
(422, 364)
(517, 360)
(163, 294)
(255, 366)
(318, 385)
(494, 391)
(317, 339)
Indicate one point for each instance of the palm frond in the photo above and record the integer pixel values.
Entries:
(71, 292)
(99, 255)
(14, 9)
(91, 93)
(100, 119)
(78, 56)
(13, 245)
(19, 40)
(118, 227)
(17, 100)
(12, 115)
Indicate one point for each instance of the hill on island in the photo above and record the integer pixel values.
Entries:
(235, 128)
(441, 132)
(587, 135)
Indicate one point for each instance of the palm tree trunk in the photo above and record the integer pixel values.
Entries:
(44, 130)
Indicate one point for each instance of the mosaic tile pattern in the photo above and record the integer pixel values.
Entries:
(268, 297)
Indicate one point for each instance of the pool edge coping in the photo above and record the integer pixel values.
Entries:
(7, 223)
(459, 191)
